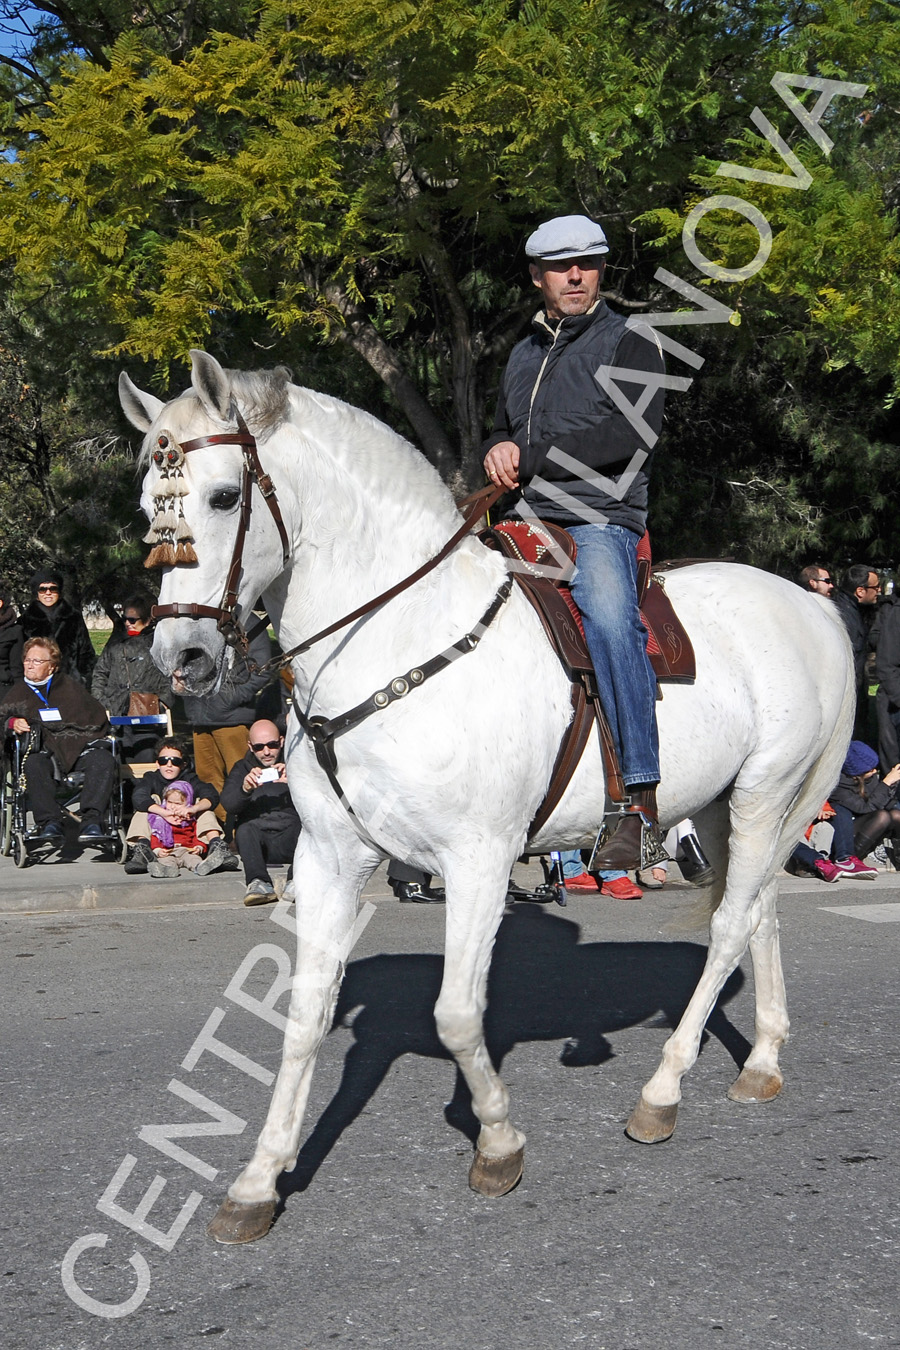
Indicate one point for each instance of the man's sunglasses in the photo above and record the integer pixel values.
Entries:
(265, 745)
(826, 581)
(169, 759)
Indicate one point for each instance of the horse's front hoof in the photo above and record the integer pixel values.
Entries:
(496, 1176)
(651, 1124)
(241, 1223)
(755, 1085)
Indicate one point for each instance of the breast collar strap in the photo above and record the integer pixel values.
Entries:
(322, 731)
(253, 472)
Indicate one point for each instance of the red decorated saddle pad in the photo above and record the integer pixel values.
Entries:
(544, 555)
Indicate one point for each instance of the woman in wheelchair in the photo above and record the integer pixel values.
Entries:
(63, 722)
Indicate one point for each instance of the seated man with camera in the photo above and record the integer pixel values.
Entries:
(267, 825)
(63, 722)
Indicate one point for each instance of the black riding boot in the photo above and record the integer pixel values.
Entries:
(693, 863)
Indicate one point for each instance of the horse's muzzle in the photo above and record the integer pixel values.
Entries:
(196, 673)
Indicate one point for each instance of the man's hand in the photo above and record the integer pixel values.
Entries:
(20, 725)
(501, 464)
(251, 779)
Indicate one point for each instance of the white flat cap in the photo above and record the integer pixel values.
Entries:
(566, 237)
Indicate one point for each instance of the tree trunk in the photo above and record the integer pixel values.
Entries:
(360, 334)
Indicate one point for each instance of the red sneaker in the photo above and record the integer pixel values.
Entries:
(621, 889)
(583, 882)
(854, 867)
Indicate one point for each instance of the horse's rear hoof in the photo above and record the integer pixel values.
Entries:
(496, 1176)
(755, 1085)
(241, 1223)
(651, 1124)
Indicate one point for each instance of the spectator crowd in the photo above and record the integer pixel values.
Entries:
(213, 796)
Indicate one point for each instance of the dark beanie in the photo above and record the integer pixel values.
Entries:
(860, 759)
(44, 576)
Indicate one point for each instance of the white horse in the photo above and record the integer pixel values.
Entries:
(449, 776)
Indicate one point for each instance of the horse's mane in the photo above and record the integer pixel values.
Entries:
(262, 395)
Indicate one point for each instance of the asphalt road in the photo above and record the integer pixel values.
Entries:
(772, 1227)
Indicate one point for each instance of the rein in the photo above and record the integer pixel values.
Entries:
(473, 507)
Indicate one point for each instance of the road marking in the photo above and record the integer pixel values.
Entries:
(871, 913)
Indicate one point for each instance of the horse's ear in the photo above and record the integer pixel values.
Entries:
(140, 408)
(211, 383)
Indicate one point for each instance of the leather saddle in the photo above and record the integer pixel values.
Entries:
(544, 556)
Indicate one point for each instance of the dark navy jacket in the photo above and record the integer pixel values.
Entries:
(550, 397)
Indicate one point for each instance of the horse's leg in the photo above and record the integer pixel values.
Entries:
(327, 897)
(749, 893)
(475, 901)
(761, 1079)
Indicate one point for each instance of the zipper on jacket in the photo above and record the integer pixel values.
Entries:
(540, 373)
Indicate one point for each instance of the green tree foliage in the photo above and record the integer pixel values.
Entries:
(67, 497)
(346, 188)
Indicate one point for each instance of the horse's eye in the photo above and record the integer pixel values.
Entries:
(225, 499)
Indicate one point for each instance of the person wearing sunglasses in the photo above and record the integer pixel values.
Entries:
(818, 579)
(267, 825)
(172, 765)
(49, 615)
(66, 727)
(127, 681)
(857, 600)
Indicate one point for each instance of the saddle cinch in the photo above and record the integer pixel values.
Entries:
(542, 545)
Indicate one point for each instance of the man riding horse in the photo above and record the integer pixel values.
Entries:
(566, 444)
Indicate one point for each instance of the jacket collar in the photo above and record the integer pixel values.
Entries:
(572, 324)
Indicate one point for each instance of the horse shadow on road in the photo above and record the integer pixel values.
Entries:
(544, 986)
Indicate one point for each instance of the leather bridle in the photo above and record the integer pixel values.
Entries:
(165, 453)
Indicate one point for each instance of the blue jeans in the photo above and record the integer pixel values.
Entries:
(605, 590)
(573, 866)
(844, 822)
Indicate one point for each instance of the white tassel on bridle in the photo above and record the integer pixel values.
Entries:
(169, 532)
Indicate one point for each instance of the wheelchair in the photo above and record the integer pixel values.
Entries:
(25, 846)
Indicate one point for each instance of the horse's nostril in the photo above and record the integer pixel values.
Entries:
(193, 656)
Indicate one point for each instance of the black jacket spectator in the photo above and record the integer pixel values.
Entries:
(65, 624)
(857, 622)
(887, 672)
(878, 795)
(272, 800)
(125, 667)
